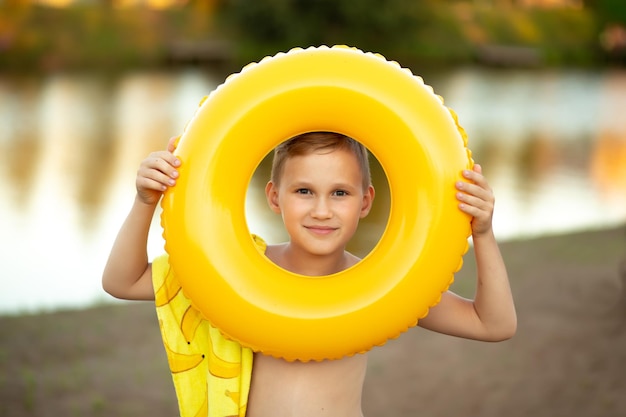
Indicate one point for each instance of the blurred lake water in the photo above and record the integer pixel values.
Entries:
(552, 144)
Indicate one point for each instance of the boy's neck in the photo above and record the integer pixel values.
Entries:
(289, 258)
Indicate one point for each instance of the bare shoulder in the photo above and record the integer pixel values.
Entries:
(351, 259)
(275, 253)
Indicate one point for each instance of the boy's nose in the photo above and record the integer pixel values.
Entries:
(321, 209)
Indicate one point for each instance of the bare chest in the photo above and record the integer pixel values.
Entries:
(328, 388)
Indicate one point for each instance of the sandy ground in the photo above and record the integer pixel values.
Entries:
(567, 359)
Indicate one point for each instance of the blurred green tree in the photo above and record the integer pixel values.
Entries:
(395, 26)
(611, 17)
(609, 11)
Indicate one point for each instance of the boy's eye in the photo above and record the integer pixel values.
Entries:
(303, 191)
(341, 193)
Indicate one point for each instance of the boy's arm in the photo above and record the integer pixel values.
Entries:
(128, 274)
(491, 315)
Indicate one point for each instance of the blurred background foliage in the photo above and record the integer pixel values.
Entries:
(64, 34)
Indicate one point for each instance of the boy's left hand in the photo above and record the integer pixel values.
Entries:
(476, 199)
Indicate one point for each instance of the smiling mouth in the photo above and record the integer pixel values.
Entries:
(321, 230)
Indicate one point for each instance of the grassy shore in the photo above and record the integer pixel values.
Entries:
(568, 358)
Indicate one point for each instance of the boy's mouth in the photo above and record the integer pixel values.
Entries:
(321, 230)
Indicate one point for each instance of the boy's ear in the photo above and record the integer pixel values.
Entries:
(368, 199)
(271, 194)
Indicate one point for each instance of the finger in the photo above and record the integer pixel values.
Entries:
(471, 210)
(475, 206)
(172, 144)
(156, 176)
(476, 182)
(171, 159)
(475, 175)
(482, 192)
(145, 184)
(163, 161)
(158, 169)
(476, 202)
(480, 222)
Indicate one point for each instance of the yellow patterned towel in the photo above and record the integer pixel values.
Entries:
(211, 374)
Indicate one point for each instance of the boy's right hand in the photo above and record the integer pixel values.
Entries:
(156, 173)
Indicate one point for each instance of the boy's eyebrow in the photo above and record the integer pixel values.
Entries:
(346, 185)
(311, 184)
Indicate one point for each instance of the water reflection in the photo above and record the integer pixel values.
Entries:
(608, 167)
(537, 134)
(552, 144)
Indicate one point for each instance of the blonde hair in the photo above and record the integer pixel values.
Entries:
(311, 142)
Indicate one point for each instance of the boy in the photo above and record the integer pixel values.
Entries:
(320, 185)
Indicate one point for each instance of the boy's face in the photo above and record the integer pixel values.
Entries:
(321, 199)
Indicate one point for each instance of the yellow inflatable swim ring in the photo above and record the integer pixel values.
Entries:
(422, 150)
